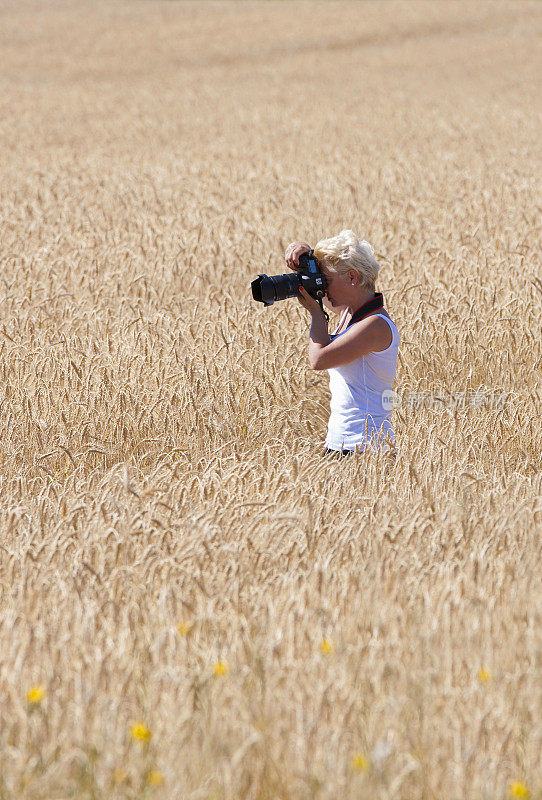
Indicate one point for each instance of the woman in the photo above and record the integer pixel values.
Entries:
(361, 356)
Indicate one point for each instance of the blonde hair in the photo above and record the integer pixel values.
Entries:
(345, 252)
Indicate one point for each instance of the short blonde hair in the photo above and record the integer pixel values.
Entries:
(345, 252)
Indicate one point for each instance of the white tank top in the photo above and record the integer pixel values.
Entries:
(359, 411)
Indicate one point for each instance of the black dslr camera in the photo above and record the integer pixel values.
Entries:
(266, 289)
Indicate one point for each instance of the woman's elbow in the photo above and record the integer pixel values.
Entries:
(315, 362)
(318, 358)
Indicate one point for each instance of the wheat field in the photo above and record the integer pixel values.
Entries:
(195, 604)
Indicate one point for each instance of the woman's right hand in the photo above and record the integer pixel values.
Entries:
(293, 251)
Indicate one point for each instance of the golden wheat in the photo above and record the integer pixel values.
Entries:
(194, 603)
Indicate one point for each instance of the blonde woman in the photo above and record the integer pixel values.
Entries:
(361, 356)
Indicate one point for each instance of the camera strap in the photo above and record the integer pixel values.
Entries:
(371, 305)
(319, 299)
(324, 312)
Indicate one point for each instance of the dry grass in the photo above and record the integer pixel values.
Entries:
(160, 434)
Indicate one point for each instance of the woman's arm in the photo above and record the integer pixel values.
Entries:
(318, 338)
(370, 335)
(318, 335)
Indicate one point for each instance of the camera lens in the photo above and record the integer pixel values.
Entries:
(267, 289)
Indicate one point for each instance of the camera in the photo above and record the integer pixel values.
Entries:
(266, 289)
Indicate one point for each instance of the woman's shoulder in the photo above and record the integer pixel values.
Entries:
(388, 333)
(376, 330)
(383, 313)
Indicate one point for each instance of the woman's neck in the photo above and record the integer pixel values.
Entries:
(347, 312)
(358, 303)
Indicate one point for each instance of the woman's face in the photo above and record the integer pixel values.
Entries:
(340, 291)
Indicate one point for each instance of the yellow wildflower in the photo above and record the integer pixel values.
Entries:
(221, 668)
(35, 695)
(184, 628)
(484, 675)
(518, 789)
(155, 778)
(359, 762)
(119, 775)
(327, 647)
(140, 733)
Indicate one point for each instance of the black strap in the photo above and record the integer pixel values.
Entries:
(376, 302)
(324, 312)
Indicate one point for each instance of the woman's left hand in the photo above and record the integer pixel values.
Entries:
(308, 302)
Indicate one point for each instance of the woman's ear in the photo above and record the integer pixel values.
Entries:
(353, 275)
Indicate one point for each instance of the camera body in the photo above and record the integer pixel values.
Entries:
(267, 289)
